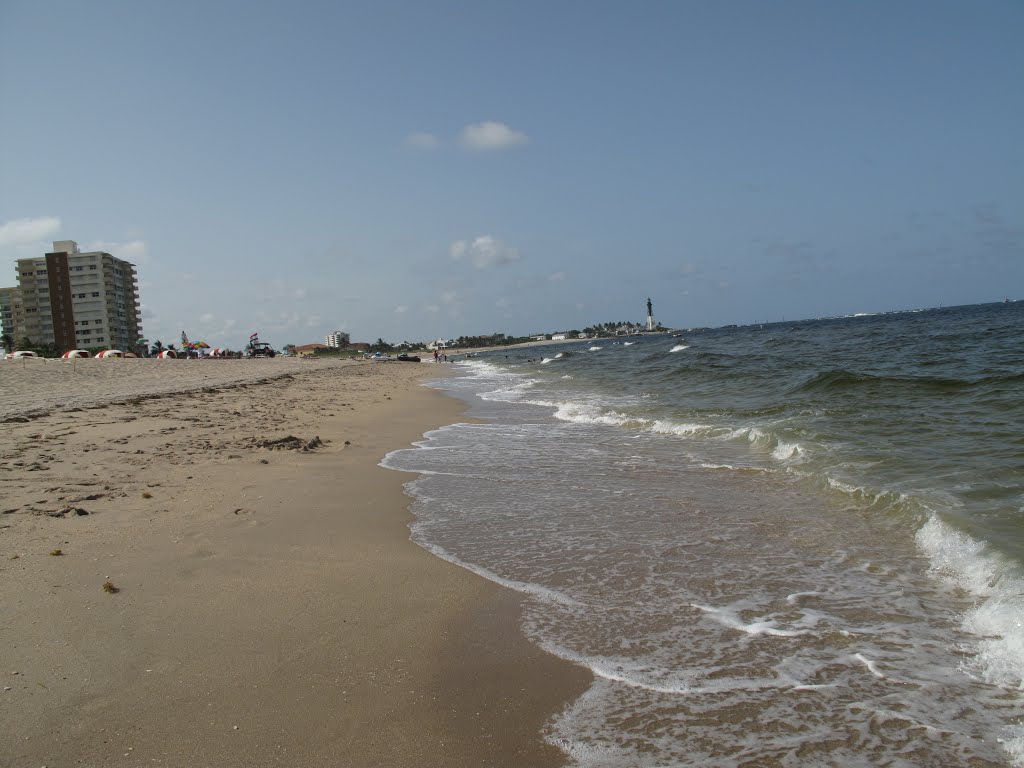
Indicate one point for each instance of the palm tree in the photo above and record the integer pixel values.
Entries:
(157, 348)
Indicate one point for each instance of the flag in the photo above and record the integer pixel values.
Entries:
(254, 336)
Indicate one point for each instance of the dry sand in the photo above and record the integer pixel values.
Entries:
(270, 607)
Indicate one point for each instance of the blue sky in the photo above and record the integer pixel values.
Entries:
(412, 170)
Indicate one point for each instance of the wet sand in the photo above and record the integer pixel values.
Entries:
(270, 608)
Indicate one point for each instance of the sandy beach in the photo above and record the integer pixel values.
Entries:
(202, 564)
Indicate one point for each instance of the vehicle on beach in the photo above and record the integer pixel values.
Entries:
(406, 358)
(259, 349)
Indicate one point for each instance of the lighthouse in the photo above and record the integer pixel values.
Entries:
(650, 315)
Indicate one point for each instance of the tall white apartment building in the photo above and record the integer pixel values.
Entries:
(12, 314)
(336, 339)
(76, 300)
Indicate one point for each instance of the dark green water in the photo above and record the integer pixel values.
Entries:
(790, 544)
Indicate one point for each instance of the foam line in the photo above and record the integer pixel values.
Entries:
(869, 664)
(795, 597)
(534, 590)
(730, 620)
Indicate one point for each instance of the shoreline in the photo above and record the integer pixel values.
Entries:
(268, 613)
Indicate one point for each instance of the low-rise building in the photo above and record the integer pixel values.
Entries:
(310, 349)
(441, 344)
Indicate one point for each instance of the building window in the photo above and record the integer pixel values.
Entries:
(99, 339)
(95, 294)
(92, 266)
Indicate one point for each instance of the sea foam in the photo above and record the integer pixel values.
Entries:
(998, 618)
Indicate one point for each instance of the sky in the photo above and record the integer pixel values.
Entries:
(415, 170)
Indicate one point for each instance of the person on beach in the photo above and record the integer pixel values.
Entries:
(435, 355)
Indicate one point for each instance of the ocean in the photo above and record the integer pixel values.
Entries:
(789, 544)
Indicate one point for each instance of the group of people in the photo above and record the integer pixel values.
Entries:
(442, 357)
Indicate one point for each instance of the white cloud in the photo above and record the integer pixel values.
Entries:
(556, 277)
(490, 135)
(26, 231)
(449, 297)
(207, 318)
(134, 251)
(401, 309)
(422, 140)
(432, 308)
(502, 303)
(485, 251)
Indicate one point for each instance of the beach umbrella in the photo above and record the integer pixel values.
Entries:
(110, 353)
(71, 354)
(167, 354)
(202, 345)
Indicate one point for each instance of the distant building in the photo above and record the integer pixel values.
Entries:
(75, 300)
(310, 349)
(360, 346)
(337, 339)
(12, 314)
(441, 344)
(560, 336)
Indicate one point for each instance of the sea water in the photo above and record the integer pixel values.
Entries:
(792, 544)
